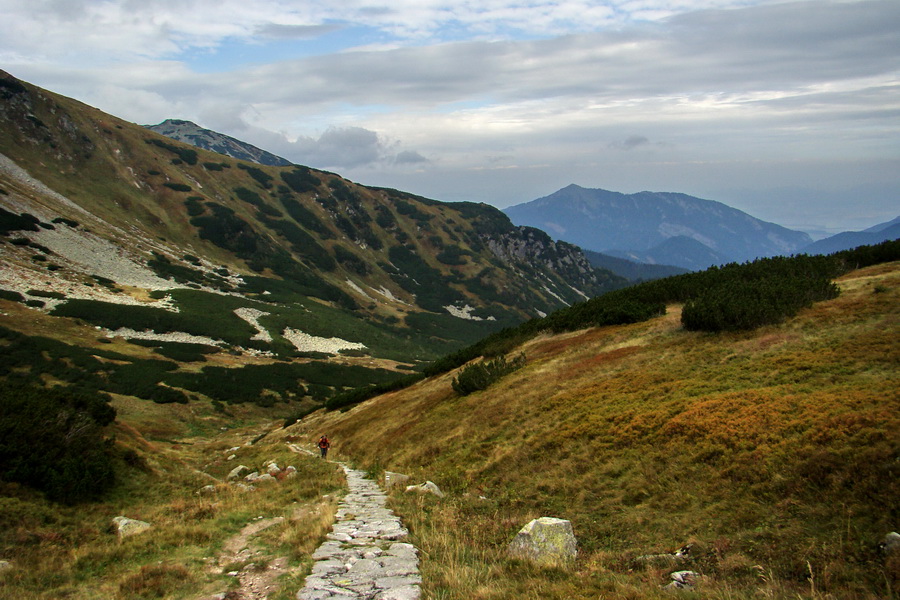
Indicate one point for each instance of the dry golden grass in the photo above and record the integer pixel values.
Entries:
(73, 552)
(773, 451)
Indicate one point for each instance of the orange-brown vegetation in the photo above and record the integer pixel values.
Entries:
(773, 451)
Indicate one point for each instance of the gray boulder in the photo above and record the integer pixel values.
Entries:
(429, 487)
(547, 540)
(126, 527)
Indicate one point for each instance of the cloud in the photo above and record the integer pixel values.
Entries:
(630, 143)
(431, 92)
(409, 157)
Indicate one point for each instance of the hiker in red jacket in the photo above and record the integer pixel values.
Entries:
(324, 445)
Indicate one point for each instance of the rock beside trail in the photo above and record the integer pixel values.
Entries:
(126, 527)
(391, 479)
(429, 487)
(547, 540)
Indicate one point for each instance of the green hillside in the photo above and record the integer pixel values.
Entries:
(122, 244)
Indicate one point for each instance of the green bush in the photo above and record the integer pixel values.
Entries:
(479, 376)
(12, 296)
(263, 178)
(301, 180)
(178, 187)
(305, 217)
(52, 440)
(188, 155)
(13, 222)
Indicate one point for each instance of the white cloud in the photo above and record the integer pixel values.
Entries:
(631, 94)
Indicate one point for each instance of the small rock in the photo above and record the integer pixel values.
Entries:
(244, 487)
(206, 490)
(5, 565)
(126, 527)
(545, 540)
(238, 472)
(252, 477)
(273, 469)
(682, 580)
(265, 478)
(231, 457)
(391, 479)
(429, 487)
(890, 543)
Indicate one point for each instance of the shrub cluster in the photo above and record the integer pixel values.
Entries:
(178, 187)
(263, 178)
(301, 180)
(188, 155)
(479, 376)
(52, 440)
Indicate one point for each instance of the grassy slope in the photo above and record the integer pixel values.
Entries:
(72, 551)
(774, 452)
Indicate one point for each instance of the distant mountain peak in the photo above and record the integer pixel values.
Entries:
(636, 225)
(191, 133)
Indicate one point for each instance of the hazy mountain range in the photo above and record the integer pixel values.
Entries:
(666, 228)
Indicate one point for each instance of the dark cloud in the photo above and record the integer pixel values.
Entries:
(630, 143)
(409, 158)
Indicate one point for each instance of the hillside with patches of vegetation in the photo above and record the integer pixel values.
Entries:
(124, 247)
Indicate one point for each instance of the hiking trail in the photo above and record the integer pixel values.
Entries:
(363, 557)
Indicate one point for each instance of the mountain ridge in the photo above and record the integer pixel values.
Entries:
(191, 133)
(634, 224)
(120, 228)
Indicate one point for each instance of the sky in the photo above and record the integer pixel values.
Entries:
(787, 110)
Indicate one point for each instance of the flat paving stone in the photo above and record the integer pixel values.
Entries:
(362, 558)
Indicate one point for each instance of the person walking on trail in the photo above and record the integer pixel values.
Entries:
(324, 445)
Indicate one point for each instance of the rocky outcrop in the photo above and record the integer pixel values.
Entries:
(546, 540)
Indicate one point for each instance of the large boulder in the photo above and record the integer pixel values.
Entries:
(126, 527)
(547, 540)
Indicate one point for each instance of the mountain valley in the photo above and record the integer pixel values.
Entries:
(175, 322)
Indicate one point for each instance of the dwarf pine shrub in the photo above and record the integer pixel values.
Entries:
(481, 375)
(52, 440)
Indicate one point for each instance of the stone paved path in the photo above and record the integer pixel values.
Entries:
(363, 557)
